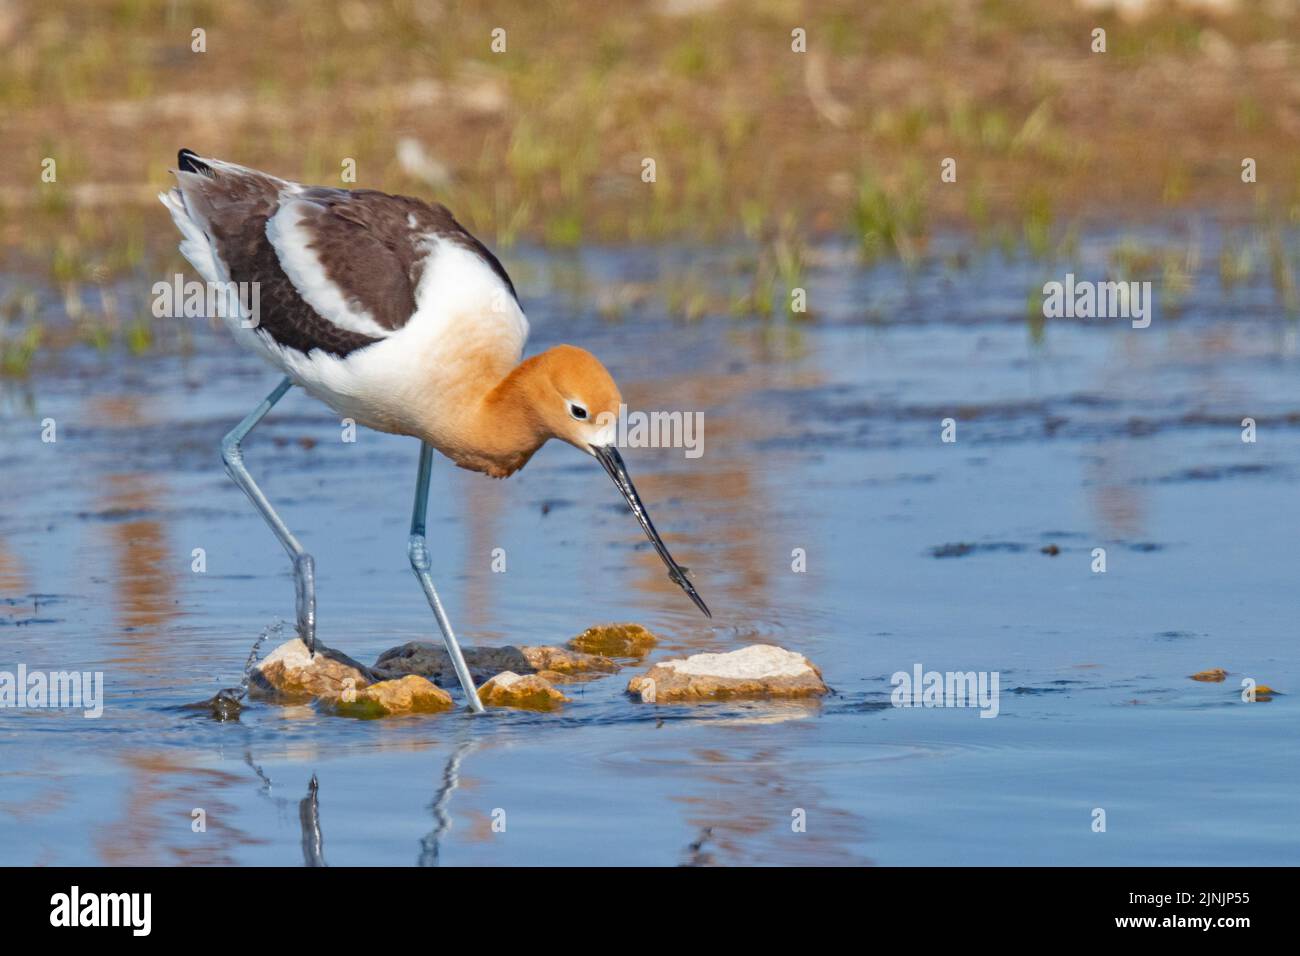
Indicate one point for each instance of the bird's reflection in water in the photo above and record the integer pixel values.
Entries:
(313, 849)
(696, 852)
(441, 819)
(261, 775)
(309, 820)
(313, 839)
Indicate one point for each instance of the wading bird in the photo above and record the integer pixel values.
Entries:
(387, 310)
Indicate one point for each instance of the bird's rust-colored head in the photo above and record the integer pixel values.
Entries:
(576, 397)
(566, 393)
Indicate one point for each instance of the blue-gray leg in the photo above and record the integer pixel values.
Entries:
(418, 551)
(304, 569)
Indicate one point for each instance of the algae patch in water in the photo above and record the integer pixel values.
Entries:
(960, 549)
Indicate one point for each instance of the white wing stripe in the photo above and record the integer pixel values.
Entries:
(304, 269)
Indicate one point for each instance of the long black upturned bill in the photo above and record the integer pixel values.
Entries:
(612, 462)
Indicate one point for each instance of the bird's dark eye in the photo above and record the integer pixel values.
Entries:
(578, 412)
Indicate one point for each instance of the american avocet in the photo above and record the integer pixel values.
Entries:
(387, 310)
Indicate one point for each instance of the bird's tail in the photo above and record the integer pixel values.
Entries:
(196, 245)
(190, 162)
(212, 191)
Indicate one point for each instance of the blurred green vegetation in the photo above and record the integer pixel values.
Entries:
(548, 139)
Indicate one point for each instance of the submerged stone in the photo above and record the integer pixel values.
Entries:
(405, 695)
(614, 640)
(432, 661)
(225, 705)
(291, 674)
(530, 692)
(757, 672)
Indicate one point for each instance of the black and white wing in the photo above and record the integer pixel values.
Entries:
(336, 270)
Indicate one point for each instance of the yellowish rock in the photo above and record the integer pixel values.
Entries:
(1215, 675)
(291, 674)
(755, 672)
(571, 664)
(411, 694)
(614, 640)
(528, 692)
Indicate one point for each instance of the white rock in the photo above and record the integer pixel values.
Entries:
(748, 663)
(293, 654)
(760, 671)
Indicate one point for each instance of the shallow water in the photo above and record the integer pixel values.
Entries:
(822, 436)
